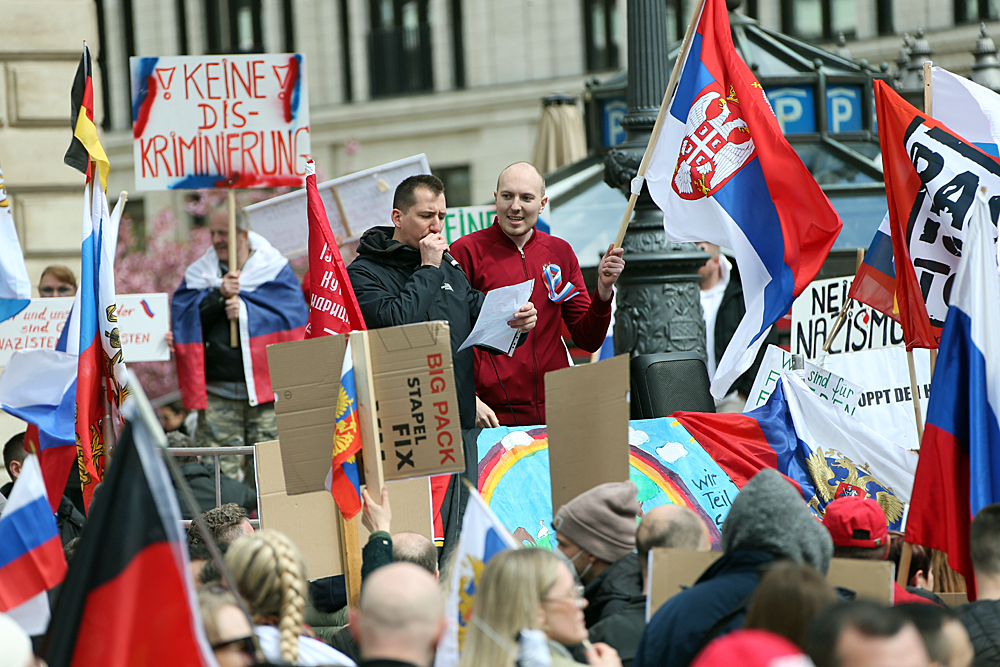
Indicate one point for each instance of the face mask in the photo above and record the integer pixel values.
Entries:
(585, 570)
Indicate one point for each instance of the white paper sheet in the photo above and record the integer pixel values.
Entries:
(491, 328)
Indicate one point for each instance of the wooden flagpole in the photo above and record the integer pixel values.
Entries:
(902, 576)
(234, 325)
(660, 116)
(843, 309)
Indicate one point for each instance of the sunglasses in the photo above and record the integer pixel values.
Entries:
(62, 290)
(244, 644)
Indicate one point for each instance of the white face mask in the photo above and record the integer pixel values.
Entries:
(586, 569)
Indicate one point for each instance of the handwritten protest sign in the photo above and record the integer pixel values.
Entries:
(143, 321)
(826, 385)
(220, 121)
(814, 314)
(354, 203)
(464, 220)
(874, 386)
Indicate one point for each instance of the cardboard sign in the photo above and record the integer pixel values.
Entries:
(814, 314)
(417, 405)
(587, 413)
(143, 322)
(825, 384)
(220, 121)
(310, 520)
(670, 571)
(353, 203)
(413, 379)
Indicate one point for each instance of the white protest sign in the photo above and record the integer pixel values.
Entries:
(877, 381)
(143, 322)
(823, 383)
(220, 121)
(365, 201)
(814, 314)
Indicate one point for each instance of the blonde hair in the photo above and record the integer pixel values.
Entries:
(270, 574)
(508, 597)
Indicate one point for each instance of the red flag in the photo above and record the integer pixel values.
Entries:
(333, 308)
(931, 178)
(128, 598)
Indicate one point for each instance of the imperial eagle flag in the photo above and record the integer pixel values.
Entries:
(723, 172)
(931, 178)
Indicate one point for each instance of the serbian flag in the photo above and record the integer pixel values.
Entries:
(272, 310)
(333, 308)
(811, 442)
(128, 599)
(31, 553)
(91, 334)
(15, 288)
(343, 480)
(931, 178)
(959, 468)
(85, 145)
(39, 387)
(722, 172)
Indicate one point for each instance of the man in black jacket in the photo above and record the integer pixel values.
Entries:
(400, 277)
(723, 308)
(982, 617)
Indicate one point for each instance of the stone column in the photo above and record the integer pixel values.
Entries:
(659, 306)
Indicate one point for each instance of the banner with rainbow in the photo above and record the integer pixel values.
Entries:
(665, 462)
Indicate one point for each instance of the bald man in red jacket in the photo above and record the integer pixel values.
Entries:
(510, 390)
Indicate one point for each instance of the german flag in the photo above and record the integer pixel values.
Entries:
(85, 145)
(128, 599)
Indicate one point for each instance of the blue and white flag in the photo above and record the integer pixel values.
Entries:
(968, 109)
(15, 289)
(39, 386)
(482, 537)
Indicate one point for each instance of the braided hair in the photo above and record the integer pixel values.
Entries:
(270, 574)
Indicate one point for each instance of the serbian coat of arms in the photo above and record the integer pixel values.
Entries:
(715, 145)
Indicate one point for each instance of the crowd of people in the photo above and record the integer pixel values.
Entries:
(764, 601)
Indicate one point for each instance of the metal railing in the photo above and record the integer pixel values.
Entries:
(215, 453)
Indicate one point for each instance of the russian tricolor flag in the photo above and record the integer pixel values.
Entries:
(91, 334)
(272, 310)
(31, 553)
(723, 172)
(343, 480)
(959, 469)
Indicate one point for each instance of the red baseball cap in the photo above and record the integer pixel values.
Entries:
(751, 648)
(856, 522)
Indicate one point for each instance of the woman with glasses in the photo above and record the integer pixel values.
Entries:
(270, 574)
(528, 589)
(227, 628)
(57, 280)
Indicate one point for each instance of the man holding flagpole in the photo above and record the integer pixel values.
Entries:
(231, 386)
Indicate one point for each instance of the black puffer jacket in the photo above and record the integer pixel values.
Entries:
(982, 620)
(611, 590)
(393, 289)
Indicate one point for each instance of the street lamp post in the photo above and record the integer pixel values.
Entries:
(659, 304)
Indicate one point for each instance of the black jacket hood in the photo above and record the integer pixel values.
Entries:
(378, 244)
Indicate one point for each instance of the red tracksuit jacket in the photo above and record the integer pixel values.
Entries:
(514, 386)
